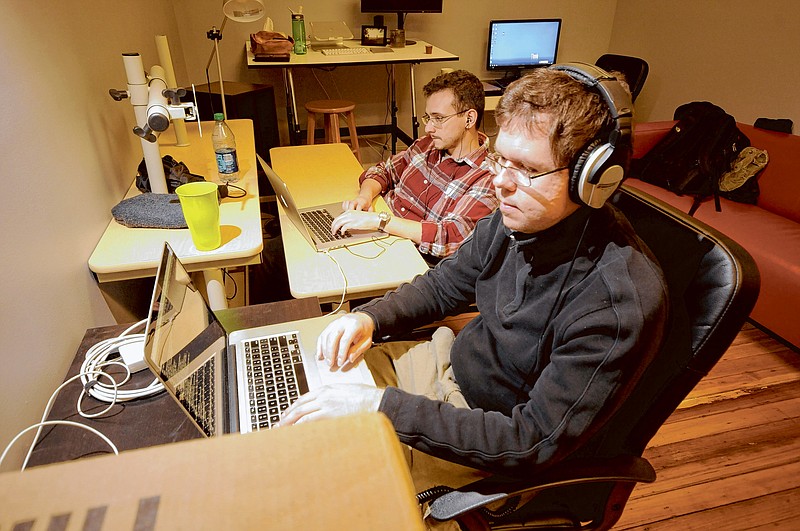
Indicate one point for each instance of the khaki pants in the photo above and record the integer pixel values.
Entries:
(423, 368)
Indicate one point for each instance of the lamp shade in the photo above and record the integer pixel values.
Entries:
(243, 10)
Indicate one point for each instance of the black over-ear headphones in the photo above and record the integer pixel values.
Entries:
(600, 167)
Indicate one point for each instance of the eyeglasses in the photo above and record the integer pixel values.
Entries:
(498, 164)
(439, 120)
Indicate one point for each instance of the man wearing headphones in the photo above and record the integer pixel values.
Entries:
(572, 304)
(436, 189)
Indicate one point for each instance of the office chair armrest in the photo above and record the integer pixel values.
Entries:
(624, 469)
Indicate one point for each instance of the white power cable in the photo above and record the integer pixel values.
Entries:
(40, 425)
(90, 374)
(97, 358)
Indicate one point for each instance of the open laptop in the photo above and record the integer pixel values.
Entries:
(314, 223)
(237, 381)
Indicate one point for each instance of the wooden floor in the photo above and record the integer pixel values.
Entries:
(729, 457)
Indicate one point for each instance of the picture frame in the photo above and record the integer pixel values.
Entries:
(373, 36)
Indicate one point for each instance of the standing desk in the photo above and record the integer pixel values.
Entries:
(125, 253)
(411, 55)
(326, 173)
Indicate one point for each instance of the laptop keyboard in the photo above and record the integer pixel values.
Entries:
(275, 377)
(196, 393)
(319, 222)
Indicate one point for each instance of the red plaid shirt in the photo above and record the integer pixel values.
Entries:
(446, 195)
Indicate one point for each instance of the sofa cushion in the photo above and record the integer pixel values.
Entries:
(772, 240)
(779, 182)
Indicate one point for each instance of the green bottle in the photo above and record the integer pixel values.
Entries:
(299, 32)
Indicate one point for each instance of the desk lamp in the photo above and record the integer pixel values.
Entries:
(238, 11)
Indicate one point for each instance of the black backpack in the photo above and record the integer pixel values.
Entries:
(692, 157)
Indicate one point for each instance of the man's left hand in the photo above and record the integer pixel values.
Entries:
(333, 401)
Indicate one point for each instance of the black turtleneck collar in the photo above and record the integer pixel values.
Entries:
(555, 245)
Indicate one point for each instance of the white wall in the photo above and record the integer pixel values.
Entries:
(68, 156)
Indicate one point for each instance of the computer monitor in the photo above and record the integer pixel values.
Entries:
(401, 7)
(518, 44)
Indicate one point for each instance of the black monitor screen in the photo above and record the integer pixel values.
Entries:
(517, 44)
(401, 6)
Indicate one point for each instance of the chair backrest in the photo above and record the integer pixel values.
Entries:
(713, 284)
(634, 69)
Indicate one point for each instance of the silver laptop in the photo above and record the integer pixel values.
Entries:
(231, 381)
(314, 223)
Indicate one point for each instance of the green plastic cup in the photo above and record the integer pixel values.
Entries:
(200, 205)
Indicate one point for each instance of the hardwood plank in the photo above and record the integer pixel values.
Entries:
(726, 420)
(776, 511)
(719, 493)
(727, 458)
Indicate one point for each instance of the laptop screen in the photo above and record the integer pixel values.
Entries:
(184, 342)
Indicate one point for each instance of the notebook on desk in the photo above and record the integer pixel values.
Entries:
(314, 223)
(231, 382)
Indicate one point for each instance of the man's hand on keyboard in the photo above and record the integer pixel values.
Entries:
(355, 220)
(345, 340)
(359, 203)
(333, 401)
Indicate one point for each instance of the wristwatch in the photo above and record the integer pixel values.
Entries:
(384, 218)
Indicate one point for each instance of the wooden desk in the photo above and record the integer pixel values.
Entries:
(325, 173)
(411, 55)
(127, 253)
(146, 422)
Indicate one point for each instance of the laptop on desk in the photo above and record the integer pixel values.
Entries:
(314, 223)
(236, 381)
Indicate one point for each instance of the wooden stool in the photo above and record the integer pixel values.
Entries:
(331, 109)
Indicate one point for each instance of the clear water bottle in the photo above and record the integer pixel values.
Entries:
(225, 149)
(299, 32)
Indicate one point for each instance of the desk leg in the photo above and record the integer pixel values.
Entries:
(414, 122)
(392, 91)
(215, 289)
(291, 107)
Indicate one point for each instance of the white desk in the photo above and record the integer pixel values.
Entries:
(127, 253)
(325, 173)
(411, 55)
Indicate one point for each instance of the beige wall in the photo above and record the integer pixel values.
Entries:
(461, 30)
(739, 54)
(68, 154)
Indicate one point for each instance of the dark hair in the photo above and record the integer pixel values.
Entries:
(549, 101)
(466, 87)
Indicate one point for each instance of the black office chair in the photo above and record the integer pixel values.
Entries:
(713, 284)
(634, 69)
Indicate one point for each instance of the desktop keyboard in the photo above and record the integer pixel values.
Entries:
(345, 51)
(319, 222)
(275, 377)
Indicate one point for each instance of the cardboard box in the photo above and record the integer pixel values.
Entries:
(347, 473)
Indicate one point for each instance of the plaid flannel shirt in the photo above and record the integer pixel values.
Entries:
(448, 196)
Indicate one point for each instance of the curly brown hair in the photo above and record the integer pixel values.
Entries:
(553, 102)
(467, 91)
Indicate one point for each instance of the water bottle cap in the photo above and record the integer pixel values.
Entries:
(218, 116)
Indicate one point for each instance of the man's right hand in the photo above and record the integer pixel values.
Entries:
(346, 339)
(359, 203)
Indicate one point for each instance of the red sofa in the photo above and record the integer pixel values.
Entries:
(769, 230)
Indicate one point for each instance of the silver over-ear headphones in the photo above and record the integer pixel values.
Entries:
(600, 167)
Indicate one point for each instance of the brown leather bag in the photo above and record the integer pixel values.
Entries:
(270, 43)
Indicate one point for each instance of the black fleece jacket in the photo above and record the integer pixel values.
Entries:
(548, 359)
